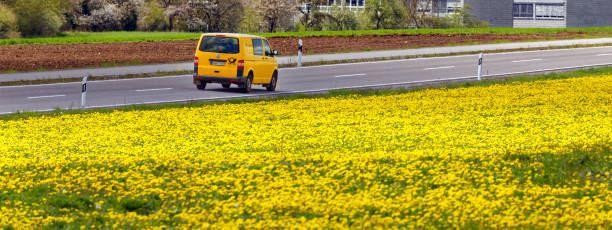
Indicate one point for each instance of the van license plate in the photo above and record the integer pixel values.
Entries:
(217, 63)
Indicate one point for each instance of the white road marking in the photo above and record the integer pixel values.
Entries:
(49, 96)
(351, 75)
(148, 90)
(528, 60)
(94, 82)
(442, 67)
(599, 55)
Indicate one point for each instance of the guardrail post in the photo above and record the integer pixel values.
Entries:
(480, 67)
(300, 47)
(84, 92)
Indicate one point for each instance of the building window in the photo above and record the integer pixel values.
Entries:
(550, 11)
(359, 3)
(354, 2)
(523, 10)
(539, 10)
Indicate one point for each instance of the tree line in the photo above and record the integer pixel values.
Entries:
(25, 18)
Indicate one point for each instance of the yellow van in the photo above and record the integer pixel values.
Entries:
(235, 59)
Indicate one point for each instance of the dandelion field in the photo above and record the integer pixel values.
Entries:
(520, 155)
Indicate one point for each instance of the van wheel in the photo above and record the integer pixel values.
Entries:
(272, 85)
(226, 86)
(246, 86)
(201, 86)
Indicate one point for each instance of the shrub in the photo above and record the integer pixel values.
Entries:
(363, 21)
(8, 20)
(385, 14)
(154, 18)
(465, 18)
(103, 19)
(196, 25)
(341, 19)
(38, 18)
(131, 11)
(250, 22)
(212, 15)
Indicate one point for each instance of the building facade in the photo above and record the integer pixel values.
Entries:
(540, 14)
(589, 13)
(518, 13)
(544, 13)
(498, 13)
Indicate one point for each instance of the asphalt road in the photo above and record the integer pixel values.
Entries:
(297, 80)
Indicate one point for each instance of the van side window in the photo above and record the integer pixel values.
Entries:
(267, 48)
(257, 47)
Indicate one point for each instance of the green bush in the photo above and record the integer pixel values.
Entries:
(341, 19)
(154, 18)
(385, 14)
(8, 20)
(38, 18)
(464, 18)
(250, 21)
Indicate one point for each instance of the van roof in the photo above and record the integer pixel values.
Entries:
(233, 35)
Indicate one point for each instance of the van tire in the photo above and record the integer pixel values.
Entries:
(246, 86)
(272, 86)
(201, 86)
(226, 86)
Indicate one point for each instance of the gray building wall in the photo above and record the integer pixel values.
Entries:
(589, 13)
(496, 12)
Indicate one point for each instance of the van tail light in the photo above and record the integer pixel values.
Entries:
(196, 61)
(240, 71)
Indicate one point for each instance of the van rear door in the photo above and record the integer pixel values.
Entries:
(218, 56)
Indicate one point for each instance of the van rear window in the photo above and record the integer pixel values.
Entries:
(216, 44)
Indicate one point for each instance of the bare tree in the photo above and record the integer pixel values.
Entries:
(212, 15)
(172, 10)
(310, 11)
(275, 12)
(417, 10)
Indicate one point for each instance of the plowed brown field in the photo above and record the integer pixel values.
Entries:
(49, 57)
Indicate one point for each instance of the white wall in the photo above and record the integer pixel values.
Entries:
(541, 23)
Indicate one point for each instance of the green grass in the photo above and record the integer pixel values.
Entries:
(560, 169)
(59, 204)
(103, 37)
(333, 93)
(112, 37)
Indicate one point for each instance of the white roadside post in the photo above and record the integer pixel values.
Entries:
(480, 67)
(300, 45)
(84, 92)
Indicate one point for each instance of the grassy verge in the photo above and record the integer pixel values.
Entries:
(93, 78)
(103, 37)
(114, 37)
(334, 93)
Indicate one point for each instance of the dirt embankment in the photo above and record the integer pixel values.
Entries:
(50, 57)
